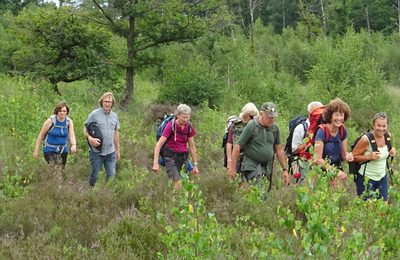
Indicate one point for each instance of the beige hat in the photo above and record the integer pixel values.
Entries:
(249, 109)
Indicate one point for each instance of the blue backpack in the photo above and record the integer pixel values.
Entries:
(48, 142)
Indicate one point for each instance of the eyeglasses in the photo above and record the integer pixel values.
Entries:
(108, 102)
(65, 111)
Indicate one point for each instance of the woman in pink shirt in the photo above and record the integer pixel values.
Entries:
(175, 137)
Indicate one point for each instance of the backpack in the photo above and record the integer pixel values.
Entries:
(354, 167)
(229, 122)
(53, 125)
(297, 120)
(315, 120)
(94, 131)
(160, 130)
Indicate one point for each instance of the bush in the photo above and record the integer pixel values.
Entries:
(190, 80)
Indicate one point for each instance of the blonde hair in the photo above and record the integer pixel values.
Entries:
(107, 94)
(249, 109)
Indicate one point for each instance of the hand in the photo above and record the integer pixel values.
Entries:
(392, 152)
(36, 154)
(349, 157)
(232, 172)
(95, 142)
(73, 148)
(156, 167)
(195, 170)
(286, 178)
(342, 176)
(375, 156)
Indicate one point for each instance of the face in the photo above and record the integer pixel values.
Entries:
(380, 126)
(62, 113)
(246, 117)
(337, 119)
(183, 119)
(107, 103)
(266, 120)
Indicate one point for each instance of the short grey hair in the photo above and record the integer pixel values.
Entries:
(183, 109)
(312, 105)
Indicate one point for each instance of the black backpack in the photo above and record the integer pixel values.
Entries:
(229, 122)
(354, 167)
(297, 120)
(94, 131)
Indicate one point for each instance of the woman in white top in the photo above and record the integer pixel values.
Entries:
(375, 166)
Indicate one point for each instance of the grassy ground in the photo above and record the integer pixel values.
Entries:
(51, 213)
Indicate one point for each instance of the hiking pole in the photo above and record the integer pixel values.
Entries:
(390, 169)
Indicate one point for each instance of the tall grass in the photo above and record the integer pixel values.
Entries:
(48, 213)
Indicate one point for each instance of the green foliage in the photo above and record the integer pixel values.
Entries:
(61, 45)
(190, 80)
(195, 233)
(8, 42)
(347, 70)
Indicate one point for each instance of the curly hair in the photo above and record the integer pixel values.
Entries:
(336, 105)
(59, 106)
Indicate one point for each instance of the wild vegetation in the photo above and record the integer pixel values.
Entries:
(244, 55)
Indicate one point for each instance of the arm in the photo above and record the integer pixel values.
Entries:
(359, 150)
(280, 153)
(72, 139)
(192, 150)
(345, 155)
(235, 156)
(42, 134)
(116, 143)
(157, 148)
(318, 152)
(297, 141)
(229, 148)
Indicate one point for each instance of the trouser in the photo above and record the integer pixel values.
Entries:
(381, 185)
(56, 158)
(174, 162)
(96, 163)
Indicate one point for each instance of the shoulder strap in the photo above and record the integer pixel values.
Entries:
(387, 141)
(372, 141)
(305, 126)
(341, 129)
(325, 129)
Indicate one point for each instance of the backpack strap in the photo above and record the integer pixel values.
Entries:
(372, 141)
(305, 126)
(387, 141)
(325, 129)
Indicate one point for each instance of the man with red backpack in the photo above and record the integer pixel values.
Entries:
(297, 142)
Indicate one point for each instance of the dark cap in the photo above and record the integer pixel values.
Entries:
(270, 109)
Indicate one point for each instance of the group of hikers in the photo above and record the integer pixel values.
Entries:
(251, 142)
(101, 131)
(317, 140)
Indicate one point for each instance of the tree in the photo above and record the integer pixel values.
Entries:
(16, 6)
(61, 45)
(148, 24)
